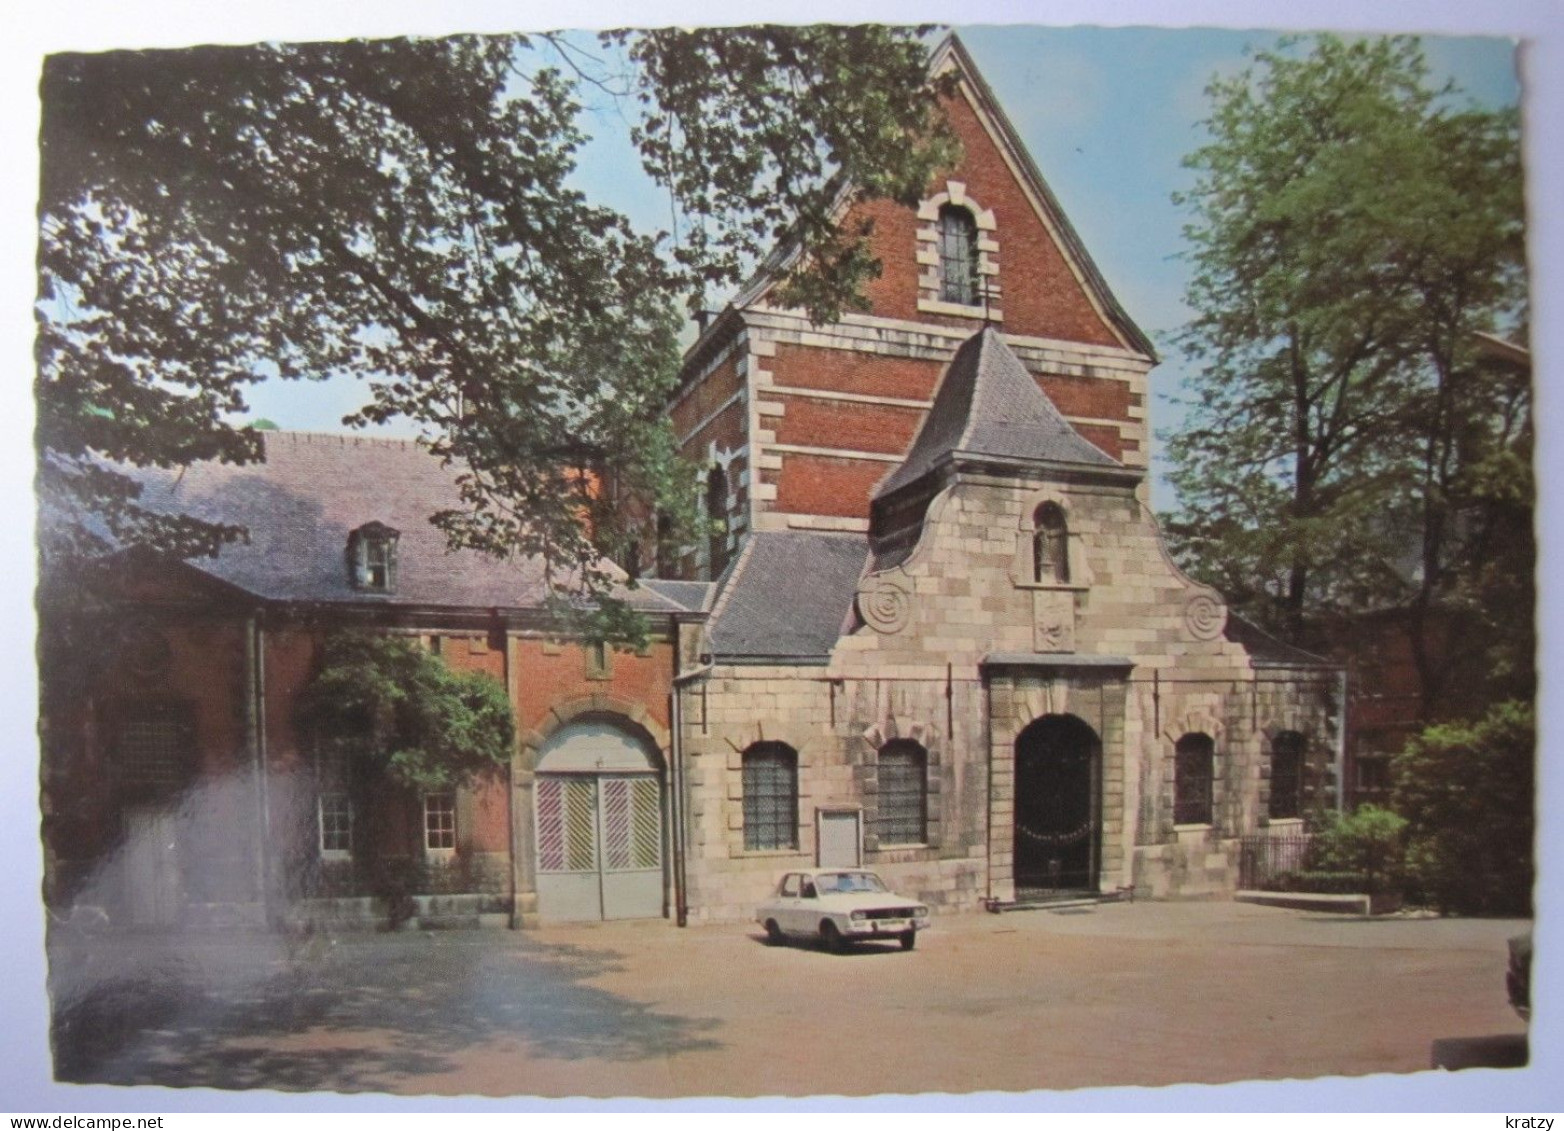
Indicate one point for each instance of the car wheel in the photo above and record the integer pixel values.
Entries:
(774, 935)
(831, 937)
(909, 939)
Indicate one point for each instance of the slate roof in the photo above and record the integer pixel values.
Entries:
(788, 595)
(1265, 651)
(312, 490)
(693, 596)
(990, 405)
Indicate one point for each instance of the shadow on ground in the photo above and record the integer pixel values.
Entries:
(1501, 1050)
(360, 1014)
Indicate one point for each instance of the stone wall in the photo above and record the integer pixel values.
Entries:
(959, 648)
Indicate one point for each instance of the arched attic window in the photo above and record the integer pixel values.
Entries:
(371, 556)
(958, 255)
(1050, 545)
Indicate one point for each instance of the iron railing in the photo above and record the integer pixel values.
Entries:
(1262, 858)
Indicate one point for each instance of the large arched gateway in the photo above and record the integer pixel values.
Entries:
(599, 823)
(1057, 810)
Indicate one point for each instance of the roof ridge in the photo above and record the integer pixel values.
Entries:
(732, 573)
(344, 439)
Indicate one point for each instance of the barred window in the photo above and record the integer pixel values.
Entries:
(440, 822)
(336, 823)
(1287, 774)
(770, 796)
(958, 256)
(1193, 756)
(904, 793)
(154, 747)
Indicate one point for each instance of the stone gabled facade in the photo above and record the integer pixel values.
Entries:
(1016, 693)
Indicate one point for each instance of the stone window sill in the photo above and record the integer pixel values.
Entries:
(1067, 587)
(957, 310)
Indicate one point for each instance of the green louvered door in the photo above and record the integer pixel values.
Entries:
(599, 846)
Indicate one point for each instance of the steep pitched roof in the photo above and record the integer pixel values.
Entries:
(989, 405)
(788, 595)
(314, 489)
(951, 53)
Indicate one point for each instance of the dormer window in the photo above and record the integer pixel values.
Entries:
(958, 256)
(372, 558)
(1050, 546)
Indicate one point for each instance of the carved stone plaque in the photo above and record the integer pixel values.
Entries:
(1053, 620)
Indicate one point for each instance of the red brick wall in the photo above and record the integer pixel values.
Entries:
(1040, 294)
(726, 431)
(826, 485)
(1107, 438)
(1089, 396)
(489, 830)
(849, 371)
(715, 388)
(845, 424)
(548, 680)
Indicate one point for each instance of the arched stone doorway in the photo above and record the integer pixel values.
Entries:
(599, 821)
(1058, 824)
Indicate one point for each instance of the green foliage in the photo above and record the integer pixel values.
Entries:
(403, 211)
(418, 723)
(1351, 227)
(1332, 883)
(1368, 843)
(1467, 792)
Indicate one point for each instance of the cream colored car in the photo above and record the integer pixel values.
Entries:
(838, 906)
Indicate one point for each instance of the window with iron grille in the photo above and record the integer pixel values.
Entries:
(770, 797)
(440, 822)
(1192, 771)
(904, 793)
(336, 823)
(1287, 774)
(958, 256)
(153, 749)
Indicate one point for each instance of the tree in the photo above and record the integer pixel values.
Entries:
(411, 720)
(1466, 790)
(1353, 227)
(403, 211)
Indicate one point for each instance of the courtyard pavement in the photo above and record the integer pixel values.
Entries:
(1117, 994)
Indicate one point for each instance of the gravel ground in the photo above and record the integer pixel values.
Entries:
(1119, 994)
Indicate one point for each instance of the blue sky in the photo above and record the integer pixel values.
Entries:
(1108, 114)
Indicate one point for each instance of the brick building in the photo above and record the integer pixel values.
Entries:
(934, 631)
(947, 640)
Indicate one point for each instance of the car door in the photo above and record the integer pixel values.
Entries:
(807, 917)
(787, 902)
